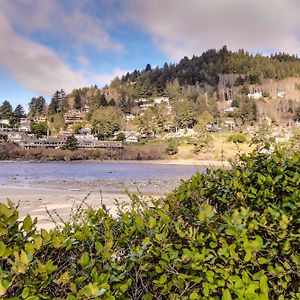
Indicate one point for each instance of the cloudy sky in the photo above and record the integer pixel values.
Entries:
(51, 44)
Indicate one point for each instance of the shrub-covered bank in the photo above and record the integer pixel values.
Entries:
(227, 234)
(11, 151)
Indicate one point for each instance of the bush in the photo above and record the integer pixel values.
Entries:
(227, 234)
(172, 147)
(237, 137)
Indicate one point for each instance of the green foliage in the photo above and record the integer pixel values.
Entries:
(226, 234)
(172, 147)
(237, 137)
(121, 136)
(105, 121)
(71, 143)
(6, 110)
(39, 129)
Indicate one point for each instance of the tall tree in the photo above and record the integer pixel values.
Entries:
(102, 100)
(105, 121)
(64, 101)
(54, 106)
(6, 110)
(37, 106)
(19, 112)
(77, 101)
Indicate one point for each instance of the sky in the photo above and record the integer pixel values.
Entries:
(47, 45)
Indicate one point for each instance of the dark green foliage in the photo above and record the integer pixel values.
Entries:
(172, 147)
(71, 143)
(237, 137)
(19, 112)
(39, 129)
(227, 234)
(120, 136)
(37, 106)
(77, 101)
(297, 115)
(205, 70)
(6, 110)
(58, 103)
(102, 100)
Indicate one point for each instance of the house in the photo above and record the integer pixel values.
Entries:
(230, 109)
(85, 137)
(161, 100)
(73, 116)
(40, 119)
(16, 137)
(4, 122)
(129, 117)
(229, 123)
(25, 125)
(280, 94)
(146, 106)
(255, 96)
(131, 139)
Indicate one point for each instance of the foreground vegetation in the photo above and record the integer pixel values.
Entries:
(227, 234)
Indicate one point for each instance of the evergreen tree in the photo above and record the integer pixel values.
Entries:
(102, 100)
(77, 101)
(19, 112)
(54, 106)
(6, 110)
(71, 143)
(112, 102)
(64, 101)
(37, 106)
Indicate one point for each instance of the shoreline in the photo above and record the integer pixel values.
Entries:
(186, 162)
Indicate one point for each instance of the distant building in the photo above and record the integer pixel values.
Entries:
(73, 116)
(230, 109)
(131, 139)
(161, 100)
(255, 96)
(281, 94)
(4, 122)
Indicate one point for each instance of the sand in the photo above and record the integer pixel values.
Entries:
(35, 201)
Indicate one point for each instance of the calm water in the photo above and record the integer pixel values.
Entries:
(26, 174)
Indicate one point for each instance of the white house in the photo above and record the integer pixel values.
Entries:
(131, 139)
(280, 94)
(161, 100)
(255, 96)
(230, 109)
(4, 122)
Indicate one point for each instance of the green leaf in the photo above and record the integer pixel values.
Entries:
(226, 295)
(263, 284)
(194, 296)
(84, 259)
(163, 278)
(25, 293)
(27, 223)
(152, 222)
(2, 289)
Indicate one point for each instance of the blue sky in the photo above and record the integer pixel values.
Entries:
(51, 44)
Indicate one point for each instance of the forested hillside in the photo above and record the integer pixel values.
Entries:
(204, 70)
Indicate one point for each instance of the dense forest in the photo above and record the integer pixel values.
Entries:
(204, 70)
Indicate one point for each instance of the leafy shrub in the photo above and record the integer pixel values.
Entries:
(227, 234)
(237, 137)
(172, 147)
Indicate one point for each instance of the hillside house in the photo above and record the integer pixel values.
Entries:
(73, 116)
(161, 100)
(255, 95)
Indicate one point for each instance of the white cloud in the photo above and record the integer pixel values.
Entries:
(34, 66)
(67, 22)
(187, 27)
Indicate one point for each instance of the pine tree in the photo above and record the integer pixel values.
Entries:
(6, 110)
(102, 100)
(77, 102)
(54, 106)
(19, 112)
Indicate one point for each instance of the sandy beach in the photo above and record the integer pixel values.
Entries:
(36, 202)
